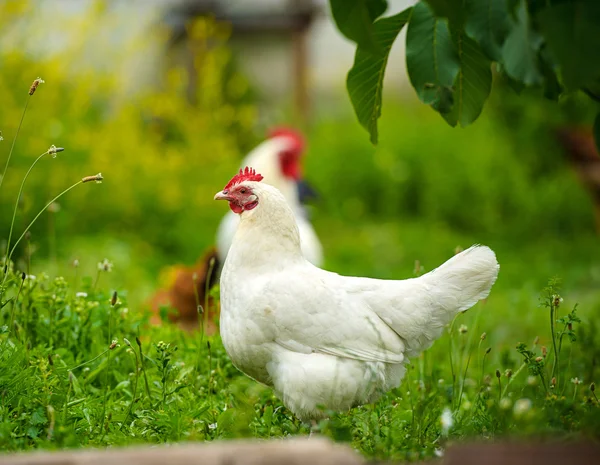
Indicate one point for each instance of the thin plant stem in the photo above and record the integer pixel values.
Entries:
(555, 347)
(107, 372)
(39, 214)
(135, 385)
(499, 388)
(97, 279)
(451, 347)
(462, 386)
(67, 398)
(14, 141)
(89, 361)
(12, 223)
(139, 343)
(211, 265)
(14, 303)
(200, 312)
(510, 380)
(467, 349)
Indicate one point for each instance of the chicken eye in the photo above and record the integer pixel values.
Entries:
(242, 191)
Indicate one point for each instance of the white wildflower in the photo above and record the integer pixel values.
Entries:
(463, 329)
(105, 265)
(522, 406)
(576, 381)
(81, 295)
(31, 277)
(446, 420)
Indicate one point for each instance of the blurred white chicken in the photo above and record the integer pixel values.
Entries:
(318, 338)
(278, 159)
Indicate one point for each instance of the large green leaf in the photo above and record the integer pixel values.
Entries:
(520, 50)
(473, 83)
(572, 31)
(354, 19)
(431, 58)
(365, 78)
(451, 9)
(488, 23)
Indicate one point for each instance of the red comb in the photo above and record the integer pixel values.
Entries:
(288, 132)
(247, 174)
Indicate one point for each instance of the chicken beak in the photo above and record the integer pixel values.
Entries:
(222, 196)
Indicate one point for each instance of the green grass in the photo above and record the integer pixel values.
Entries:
(61, 384)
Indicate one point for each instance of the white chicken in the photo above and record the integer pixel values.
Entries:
(318, 338)
(278, 159)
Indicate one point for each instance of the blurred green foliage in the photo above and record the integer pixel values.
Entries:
(506, 177)
(161, 155)
(165, 144)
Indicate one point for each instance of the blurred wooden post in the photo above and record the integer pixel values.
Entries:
(521, 453)
(300, 64)
(293, 22)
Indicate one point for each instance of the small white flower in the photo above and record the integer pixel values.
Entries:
(105, 265)
(576, 381)
(31, 277)
(446, 421)
(212, 426)
(81, 295)
(439, 452)
(522, 406)
(463, 329)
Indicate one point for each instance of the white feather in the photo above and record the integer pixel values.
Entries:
(319, 338)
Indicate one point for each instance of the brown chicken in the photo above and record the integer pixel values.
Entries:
(186, 287)
(583, 155)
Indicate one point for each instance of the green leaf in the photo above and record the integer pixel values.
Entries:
(473, 82)
(431, 58)
(597, 131)
(572, 31)
(354, 19)
(226, 419)
(520, 50)
(552, 88)
(451, 9)
(488, 23)
(38, 417)
(365, 78)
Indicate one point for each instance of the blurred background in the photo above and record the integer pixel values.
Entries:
(165, 98)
